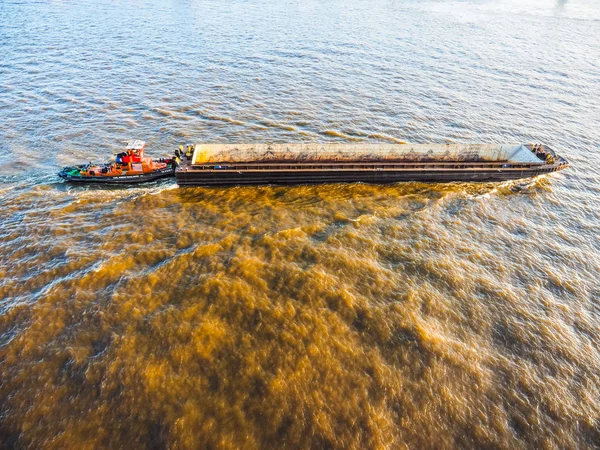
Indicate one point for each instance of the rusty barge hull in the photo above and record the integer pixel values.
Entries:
(252, 164)
(224, 178)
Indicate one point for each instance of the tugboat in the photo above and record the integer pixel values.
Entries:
(130, 166)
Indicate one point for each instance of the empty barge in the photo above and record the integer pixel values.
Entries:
(243, 164)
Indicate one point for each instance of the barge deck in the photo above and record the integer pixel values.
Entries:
(247, 164)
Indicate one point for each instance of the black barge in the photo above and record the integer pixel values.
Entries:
(246, 164)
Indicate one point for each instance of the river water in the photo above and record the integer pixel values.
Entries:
(337, 316)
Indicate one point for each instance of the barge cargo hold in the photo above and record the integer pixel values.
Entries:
(244, 164)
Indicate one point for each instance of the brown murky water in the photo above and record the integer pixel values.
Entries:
(345, 316)
(337, 316)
